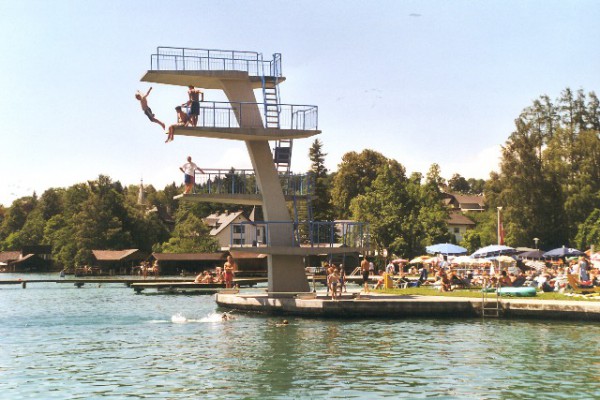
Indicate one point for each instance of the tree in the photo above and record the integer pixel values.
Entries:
(386, 206)
(14, 220)
(471, 240)
(433, 215)
(191, 235)
(589, 232)
(476, 186)
(321, 203)
(458, 184)
(355, 175)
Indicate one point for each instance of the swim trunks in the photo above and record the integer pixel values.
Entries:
(149, 114)
(195, 108)
(188, 179)
(365, 276)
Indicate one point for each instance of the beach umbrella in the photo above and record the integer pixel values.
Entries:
(399, 260)
(419, 259)
(534, 254)
(446, 249)
(563, 252)
(461, 260)
(595, 260)
(505, 260)
(538, 265)
(493, 250)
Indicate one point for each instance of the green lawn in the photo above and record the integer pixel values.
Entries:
(426, 291)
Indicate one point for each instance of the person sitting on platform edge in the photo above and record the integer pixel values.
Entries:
(204, 277)
(182, 120)
(189, 169)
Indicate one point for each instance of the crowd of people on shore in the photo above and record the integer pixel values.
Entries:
(445, 276)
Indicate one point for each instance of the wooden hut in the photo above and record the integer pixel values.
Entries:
(115, 262)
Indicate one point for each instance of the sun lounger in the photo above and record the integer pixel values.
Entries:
(578, 288)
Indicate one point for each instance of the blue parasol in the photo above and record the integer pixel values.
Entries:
(493, 250)
(445, 249)
(563, 252)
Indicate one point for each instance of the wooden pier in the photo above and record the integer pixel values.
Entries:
(193, 287)
(129, 282)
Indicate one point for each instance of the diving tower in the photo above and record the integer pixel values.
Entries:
(284, 239)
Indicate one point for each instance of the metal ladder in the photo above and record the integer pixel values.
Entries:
(488, 310)
(272, 111)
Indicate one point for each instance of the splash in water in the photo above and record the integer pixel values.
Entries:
(217, 317)
(179, 319)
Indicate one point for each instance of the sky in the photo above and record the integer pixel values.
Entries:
(422, 82)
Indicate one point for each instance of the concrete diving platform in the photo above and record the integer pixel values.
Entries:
(389, 306)
(298, 251)
(243, 199)
(206, 79)
(246, 134)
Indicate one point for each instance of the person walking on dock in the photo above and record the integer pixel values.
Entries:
(147, 110)
(364, 267)
(189, 169)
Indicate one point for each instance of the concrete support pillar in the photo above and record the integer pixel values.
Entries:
(286, 273)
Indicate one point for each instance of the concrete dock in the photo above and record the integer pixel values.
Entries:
(388, 306)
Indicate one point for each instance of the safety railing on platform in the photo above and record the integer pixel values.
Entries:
(221, 114)
(190, 59)
(322, 234)
(243, 181)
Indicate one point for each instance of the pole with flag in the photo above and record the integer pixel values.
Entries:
(500, 228)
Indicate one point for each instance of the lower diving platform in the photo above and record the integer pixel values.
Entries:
(248, 134)
(303, 251)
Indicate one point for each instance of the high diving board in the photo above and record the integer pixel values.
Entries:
(206, 79)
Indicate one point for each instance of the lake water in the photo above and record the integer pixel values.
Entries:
(61, 342)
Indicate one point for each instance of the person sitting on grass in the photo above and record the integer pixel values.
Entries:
(380, 281)
(403, 281)
(504, 280)
(446, 283)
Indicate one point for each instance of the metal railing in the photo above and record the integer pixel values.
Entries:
(222, 114)
(190, 59)
(300, 234)
(243, 181)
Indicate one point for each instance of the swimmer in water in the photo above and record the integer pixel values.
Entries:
(283, 323)
(226, 317)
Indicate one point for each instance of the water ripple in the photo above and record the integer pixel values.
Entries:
(69, 343)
